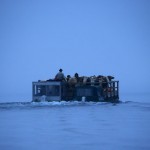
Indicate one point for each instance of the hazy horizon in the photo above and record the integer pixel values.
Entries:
(104, 37)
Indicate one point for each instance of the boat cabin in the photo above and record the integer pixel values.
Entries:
(53, 90)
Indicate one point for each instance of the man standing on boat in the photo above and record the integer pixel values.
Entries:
(60, 76)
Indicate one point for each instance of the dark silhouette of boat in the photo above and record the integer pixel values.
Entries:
(81, 90)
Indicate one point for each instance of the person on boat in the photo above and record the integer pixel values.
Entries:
(68, 77)
(76, 75)
(60, 75)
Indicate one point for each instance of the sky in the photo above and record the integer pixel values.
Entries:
(90, 37)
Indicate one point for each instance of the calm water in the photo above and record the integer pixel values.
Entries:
(75, 126)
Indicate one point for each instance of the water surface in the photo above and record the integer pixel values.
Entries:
(74, 125)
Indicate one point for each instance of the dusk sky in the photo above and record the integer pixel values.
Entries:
(91, 37)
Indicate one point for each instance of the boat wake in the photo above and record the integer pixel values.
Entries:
(31, 105)
(21, 105)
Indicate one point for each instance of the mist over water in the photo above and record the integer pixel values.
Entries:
(103, 37)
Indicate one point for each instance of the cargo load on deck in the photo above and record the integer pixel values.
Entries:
(96, 89)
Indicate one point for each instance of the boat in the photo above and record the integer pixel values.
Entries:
(87, 89)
